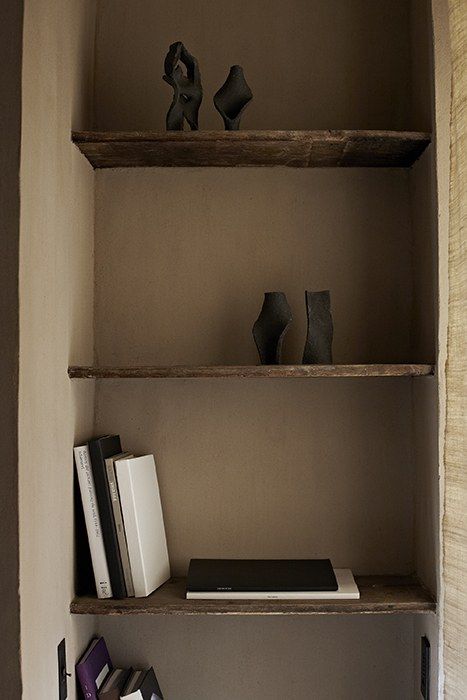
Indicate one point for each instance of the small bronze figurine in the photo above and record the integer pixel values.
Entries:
(188, 92)
(232, 98)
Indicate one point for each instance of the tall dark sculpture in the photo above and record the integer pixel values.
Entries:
(271, 326)
(232, 98)
(188, 92)
(318, 345)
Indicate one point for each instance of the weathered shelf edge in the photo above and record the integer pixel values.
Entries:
(247, 135)
(298, 149)
(251, 371)
(379, 595)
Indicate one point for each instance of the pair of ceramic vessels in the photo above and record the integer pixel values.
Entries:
(274, 321)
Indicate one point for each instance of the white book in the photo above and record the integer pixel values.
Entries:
(93, 523)
(144, 523)
(346, 590)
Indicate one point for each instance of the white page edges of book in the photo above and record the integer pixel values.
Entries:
(144, 523)
(92, 520)
(347, 589)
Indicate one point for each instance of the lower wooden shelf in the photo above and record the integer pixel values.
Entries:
(251, 371)
(379, 594)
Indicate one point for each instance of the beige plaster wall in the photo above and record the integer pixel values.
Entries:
(425, 324)
(454, 521)
(11, 31)
(311, 64)
(327, 658)
(56, 297)
(275, 469)
(183, 258)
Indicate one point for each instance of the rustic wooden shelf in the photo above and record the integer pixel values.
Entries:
(252, 371)
(296, 149)
(379, 594)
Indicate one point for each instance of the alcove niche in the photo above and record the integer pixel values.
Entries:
(330, 466)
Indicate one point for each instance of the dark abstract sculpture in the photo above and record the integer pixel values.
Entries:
(232, 98)
(271, 326)
(188, 92)
(318, 342)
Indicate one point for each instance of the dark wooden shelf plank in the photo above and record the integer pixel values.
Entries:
(379, 594)
(296, 149)
(252, 372)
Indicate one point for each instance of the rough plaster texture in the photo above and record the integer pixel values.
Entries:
(56, 297)
(455, 451)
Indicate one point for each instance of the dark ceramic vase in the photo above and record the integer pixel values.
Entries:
(318, 344)
(232, 98)
(271, 326)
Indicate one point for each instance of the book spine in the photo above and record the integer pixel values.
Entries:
(109, 531)
(125, 487)
(86, 682)
(117, 511)
(93, 524)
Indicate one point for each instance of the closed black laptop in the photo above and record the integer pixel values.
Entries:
(258, 575)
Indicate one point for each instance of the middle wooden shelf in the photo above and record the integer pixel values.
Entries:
(379, 594)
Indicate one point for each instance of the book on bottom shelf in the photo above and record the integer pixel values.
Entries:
(142, 685)
(115, 683)
(93, 668)
(144, 523)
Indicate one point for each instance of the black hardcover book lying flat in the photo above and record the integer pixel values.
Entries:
(261, 575)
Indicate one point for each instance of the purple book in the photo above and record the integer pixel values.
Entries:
(93, 668)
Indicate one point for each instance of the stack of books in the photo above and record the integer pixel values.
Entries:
(269, 579)
(99, 680)
(124, 520)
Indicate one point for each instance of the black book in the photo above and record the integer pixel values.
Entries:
(115, 683)
(261, 575)
(100, 449)
(143, 685)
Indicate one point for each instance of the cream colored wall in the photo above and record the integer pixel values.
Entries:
(56, 298)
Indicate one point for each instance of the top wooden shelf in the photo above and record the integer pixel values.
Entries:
(295, 149)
